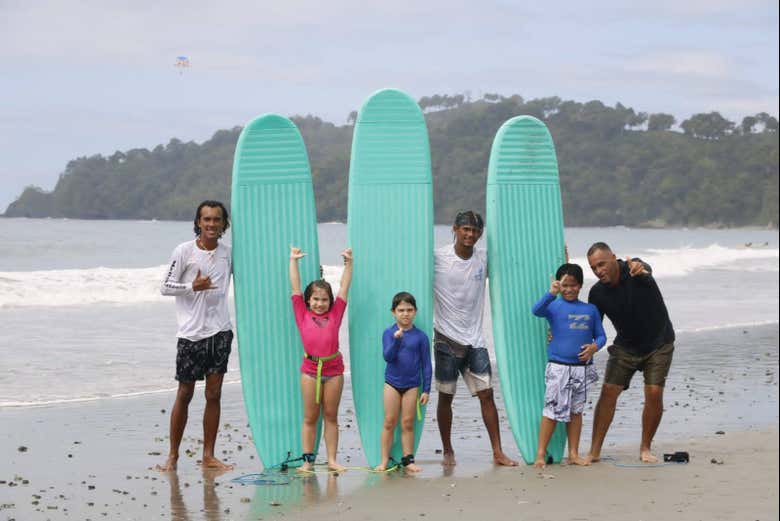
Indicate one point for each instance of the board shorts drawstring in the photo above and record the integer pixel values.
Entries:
(320, 360)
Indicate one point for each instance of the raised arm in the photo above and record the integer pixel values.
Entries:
(540, 308)
(346, 275)
(295, 274)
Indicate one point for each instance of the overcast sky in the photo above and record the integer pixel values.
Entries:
(95, 76)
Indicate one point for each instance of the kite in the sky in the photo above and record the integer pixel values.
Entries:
(182, 62)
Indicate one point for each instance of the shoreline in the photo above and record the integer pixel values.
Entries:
(717, 375)
(649, 225)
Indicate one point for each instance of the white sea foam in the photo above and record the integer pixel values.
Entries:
(56, 288)
(85, 399)
(74, 287)
(684, 261)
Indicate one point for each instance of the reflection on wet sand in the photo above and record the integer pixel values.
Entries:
(299, 491)
(178, 508)
(283, 493)
(211, 510)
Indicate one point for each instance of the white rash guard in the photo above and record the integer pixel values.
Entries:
(459, 295)
(200, 314)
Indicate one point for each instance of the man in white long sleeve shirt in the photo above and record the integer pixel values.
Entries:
(199, 277)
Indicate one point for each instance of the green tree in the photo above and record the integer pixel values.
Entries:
(707, 126)
(612, 172)
(660, 121)
(748, 124)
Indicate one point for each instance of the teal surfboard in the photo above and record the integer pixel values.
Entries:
(525, 245)
(272, 207)
(390, 225)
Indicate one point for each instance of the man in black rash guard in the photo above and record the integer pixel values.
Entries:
(627, 293)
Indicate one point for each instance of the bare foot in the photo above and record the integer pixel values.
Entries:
(169, 465)
(575, 459)
(213, 463)
(502, 459)
(306, 467)
(448, 459)
(334, 466)
(647, 457)
(592, 458)
(381, 468)
(539, 463)
(411, 467)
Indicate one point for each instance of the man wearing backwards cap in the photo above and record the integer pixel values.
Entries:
(460, 272)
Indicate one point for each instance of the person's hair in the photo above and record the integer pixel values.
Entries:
(569, 269)
(469, 218)
(212, 204)
(403, 296)
(321, 284)
(598, 246)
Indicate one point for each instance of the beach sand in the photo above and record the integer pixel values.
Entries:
(733, 476)
(95, 460)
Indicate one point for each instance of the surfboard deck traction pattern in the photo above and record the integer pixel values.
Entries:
(272, 208)
(391, 234)
(524, 228)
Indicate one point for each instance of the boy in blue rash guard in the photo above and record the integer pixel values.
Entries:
(577, 333)
(407, 351)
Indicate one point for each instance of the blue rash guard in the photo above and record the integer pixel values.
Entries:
(573, 325)
(406, 357)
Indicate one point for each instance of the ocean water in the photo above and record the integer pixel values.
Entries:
(84, 320)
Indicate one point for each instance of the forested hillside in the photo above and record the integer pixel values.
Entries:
(617, 166)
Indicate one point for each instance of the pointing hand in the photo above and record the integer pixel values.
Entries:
(635, 267)
(555, 286)
(202, 283)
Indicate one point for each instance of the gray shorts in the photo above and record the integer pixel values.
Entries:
(472, 363)
(566, 389)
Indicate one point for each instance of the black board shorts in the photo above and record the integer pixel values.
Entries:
(196, 360)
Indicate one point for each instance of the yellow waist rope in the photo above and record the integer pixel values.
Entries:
(320, 360)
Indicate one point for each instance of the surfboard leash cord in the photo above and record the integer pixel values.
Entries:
(616, 463)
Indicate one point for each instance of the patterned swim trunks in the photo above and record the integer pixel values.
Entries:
(196, 360)
(566, 389)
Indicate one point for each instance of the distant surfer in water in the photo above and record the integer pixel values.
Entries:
(627, 293)
(318, 317)
(460, 271)
(198, 275)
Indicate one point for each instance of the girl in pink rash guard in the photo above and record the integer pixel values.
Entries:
(318, 316)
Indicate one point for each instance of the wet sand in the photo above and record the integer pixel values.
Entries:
(95, 460)
(99, 466)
